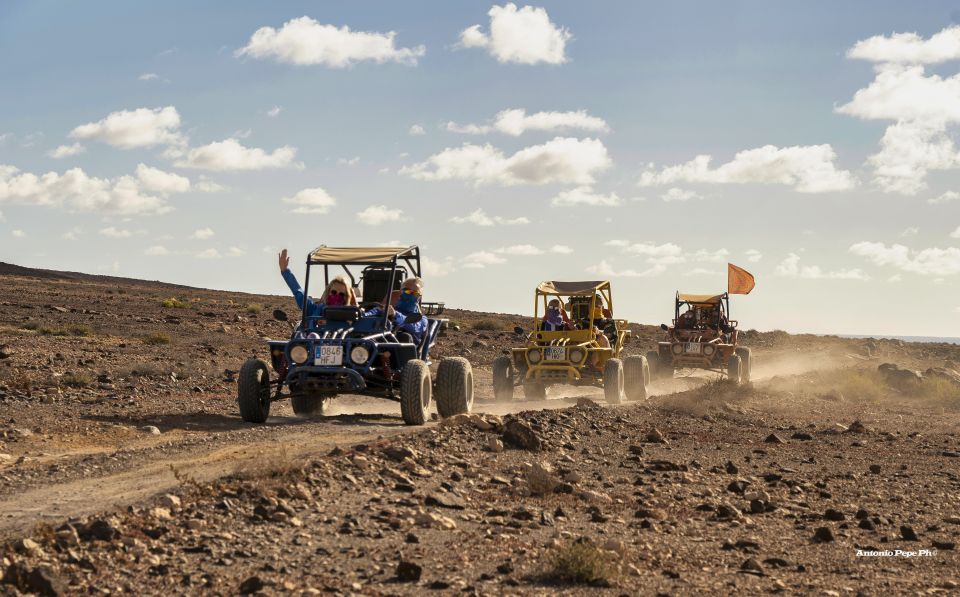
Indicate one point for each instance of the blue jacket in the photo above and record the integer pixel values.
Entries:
(314, 309)
(399, 321)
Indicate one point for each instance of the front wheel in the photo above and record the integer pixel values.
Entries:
(503, 379)
(734, 369)
(253, 391)
(636, 376)
(746, 363)
(454, 387)
(416, 392)
(534, 390)
(613, 381)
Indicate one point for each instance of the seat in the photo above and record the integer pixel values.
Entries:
(375, 282)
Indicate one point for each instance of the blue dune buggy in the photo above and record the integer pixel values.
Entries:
(347, 350)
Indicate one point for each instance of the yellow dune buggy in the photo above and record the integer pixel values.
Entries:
(575, 340)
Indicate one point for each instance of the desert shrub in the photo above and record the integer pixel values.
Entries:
(174, 303)
(254, 308)
(76, 379)
(30, 325)
(78, 329)
(487, 325)
(156, 339)
(580, 562)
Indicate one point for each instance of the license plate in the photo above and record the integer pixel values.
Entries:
(329, 356)
(553, 353)
(693, 347)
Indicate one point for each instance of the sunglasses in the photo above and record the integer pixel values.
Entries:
(337, 293)
(409, 291)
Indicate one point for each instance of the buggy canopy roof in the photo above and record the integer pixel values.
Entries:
(699, 299)
(360, 255)
(572, 288)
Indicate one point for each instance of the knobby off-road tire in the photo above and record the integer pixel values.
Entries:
(253, 391)
(503, 379)
(746, 363)
(613, 381)
(636, 376)
(734, 369)
(416, 392)
(454, 387)
(534, 390)
(307, 406)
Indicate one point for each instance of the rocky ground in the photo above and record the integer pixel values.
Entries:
(704, 487)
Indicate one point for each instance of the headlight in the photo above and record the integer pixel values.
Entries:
(299, 354)
(709, 349)
(359, 355)
(676, 348)
(577, 354)
(534, 356)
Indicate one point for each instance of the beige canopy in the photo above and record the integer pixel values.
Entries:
(360, 255)
(572, 288)
(701, 299)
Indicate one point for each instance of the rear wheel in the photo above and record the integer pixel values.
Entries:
(636, 376)
(534, 390)
(734, 369)
(746, 363)
(307, 406)
(503, 379)
(253, 391)
(416, 392)
(613, 381)
(454, 387)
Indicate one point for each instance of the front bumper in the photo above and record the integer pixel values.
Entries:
(313, 379)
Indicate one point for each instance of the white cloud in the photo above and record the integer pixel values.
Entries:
(433, 268)
(605, 270)
(311, 201)
(790, 268)
(678, 194)
(908, 151)
(701, 271)
(895, 278)
(274, 111)
(519, 36)
(159, 181)
(909, 48)
(202, 233)
(807, 168)
(157, 251)
(126, 129)
(717, 256)
(230, 154)
(417, 130)
(753, 255)
(481, 259)
(955, 233)
(208, 254)
(376, 215)
(349, 161)
(112, 232)
(2, 219)
(148, 77)
(661, 254)
(304, 41)
(910, 231)
(522, 250)
(208, 186)
(235, 252)
(515, 122)
(75, 189)
(561, 249)
(64, 151)
(560, 160)
(480, 218)
(928, 262)
(585, 195)
(946, 197)
(73, 234)
(18, 233)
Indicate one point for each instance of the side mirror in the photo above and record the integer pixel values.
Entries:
(279, 314)
(518, 330)
(664, 327)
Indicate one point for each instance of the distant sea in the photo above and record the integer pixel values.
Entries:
(905, 338)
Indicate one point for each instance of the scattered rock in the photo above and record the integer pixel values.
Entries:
(151, 429)
(521, 436)
(908, 534)
(856, 427)
(875, 469)
(252, 584)
(541, 479)
(823, 535)
(399, 453)
(408, 571)
(834, 515)
(494, 444)
(656, 437)
(773, 438)
(802, 435)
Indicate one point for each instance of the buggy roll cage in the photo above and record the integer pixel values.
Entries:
(361, 256)
(546, 290)
(703, 301)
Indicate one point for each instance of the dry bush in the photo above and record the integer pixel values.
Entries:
(77, 379)
(76, 329)
(156, 339)
(30, 325)
(487, 325)
(254, 308)
(581, 562)
(174, 303)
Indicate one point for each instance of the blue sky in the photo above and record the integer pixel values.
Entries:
(188, 136)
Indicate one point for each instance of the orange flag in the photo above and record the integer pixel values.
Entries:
(739, 280)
